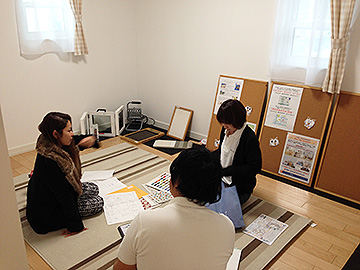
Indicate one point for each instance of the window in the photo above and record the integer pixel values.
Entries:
(45, 26)
(302, 41)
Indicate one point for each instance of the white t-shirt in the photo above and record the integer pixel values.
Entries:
(228, 149)
(180, 236)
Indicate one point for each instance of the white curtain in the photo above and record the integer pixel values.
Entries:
(44, 26)
(301, 43)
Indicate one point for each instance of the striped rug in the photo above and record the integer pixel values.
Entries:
(96, 248)
(256, 254)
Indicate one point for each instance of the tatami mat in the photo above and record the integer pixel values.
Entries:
(96, 247)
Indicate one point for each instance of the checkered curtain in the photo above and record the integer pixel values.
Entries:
(342, 12)
(80, 47)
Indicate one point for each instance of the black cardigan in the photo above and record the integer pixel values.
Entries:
(246, 164)
(51, 200)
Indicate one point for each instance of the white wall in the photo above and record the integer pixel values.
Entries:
(183, 47)
(12, 246)
(105, 78)
(164, 52)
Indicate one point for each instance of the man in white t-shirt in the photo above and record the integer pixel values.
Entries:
(183, 235)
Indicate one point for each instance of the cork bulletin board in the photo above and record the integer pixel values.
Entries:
(251, 93)
(339, 168)
(290, 149)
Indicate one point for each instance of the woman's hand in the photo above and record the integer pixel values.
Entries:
(87, 142)
(66, 233)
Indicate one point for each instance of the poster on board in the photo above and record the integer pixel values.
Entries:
(229, 88)
(283, 107)
(252, 126)
(298, 157)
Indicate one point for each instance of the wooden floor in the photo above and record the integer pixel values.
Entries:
(326, 246)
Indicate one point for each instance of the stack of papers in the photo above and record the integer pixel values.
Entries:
(172, 144)
(122, 203)
(144, 197)
(104, 180)
(121, 207)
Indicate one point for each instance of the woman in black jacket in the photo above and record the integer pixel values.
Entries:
(239, 150)
(56, 198)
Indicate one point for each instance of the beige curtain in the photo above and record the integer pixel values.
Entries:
(342, 12)
(80, 47)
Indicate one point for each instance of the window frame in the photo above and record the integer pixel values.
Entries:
(63, 40)
(286, 57)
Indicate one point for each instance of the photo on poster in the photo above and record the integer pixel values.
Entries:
(283, 107)
(298, 157)
(229, 88)
(252, 126)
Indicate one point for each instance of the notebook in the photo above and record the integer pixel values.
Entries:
(172, 144)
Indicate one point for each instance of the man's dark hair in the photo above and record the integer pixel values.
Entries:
(232, 112)
(197, 174)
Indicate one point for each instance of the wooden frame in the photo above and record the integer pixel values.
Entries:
(142, 136)
(338, 168)
(180, 122)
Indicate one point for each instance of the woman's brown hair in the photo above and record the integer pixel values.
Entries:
(58, 121)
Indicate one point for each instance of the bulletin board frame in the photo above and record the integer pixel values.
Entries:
(314, 105)
(253, 94)
(339, 170)
(179, 123)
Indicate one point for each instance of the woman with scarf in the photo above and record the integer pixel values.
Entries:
(56, 198)
(239, 151)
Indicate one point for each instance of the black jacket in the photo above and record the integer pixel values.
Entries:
(51, 199)
(246, 164)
